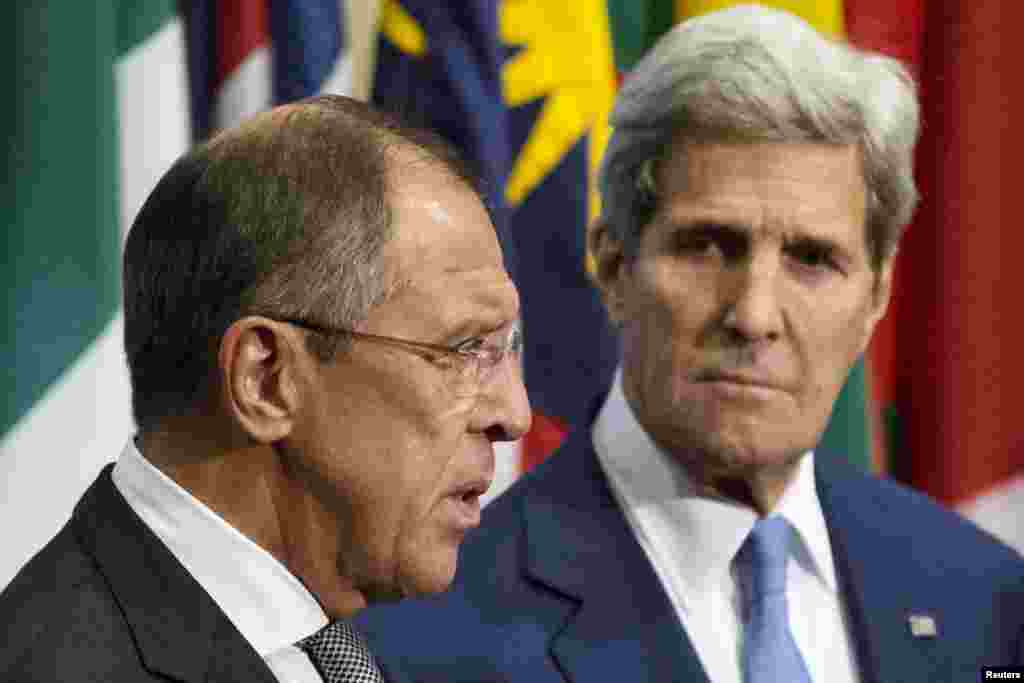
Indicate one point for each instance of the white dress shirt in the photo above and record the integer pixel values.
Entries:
(691, 541)
(266, 603)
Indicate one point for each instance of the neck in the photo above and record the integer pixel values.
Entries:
(755, 480)
(251, 487)
(237, 483)
(756, 487)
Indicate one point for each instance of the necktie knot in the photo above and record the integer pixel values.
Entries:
(340, 655)
(766, 552)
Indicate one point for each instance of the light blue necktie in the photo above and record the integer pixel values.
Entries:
(770, 654)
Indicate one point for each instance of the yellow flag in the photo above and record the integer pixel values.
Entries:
(566, 58)
(824, 15)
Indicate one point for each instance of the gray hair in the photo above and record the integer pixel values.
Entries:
(755, 74)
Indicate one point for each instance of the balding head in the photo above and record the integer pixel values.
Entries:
(287, 213)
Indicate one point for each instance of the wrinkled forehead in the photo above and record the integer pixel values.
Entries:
(704, 167)
(443, 259)
(448, 306)
(801, 183)
(485, 297)
(437, 221)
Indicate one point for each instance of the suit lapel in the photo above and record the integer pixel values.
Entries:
(876, 576)
(580, 544)
(179, 630)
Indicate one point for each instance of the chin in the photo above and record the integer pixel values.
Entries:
(762, 458)
(735, 453)
(771, 437)
(429, 575)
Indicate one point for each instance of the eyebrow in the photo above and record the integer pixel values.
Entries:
(486, 314)
(706, 215)
(480, 311)
(712, 223)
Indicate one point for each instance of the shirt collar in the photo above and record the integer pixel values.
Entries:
(267, 604)
(801, 506)
(695, 536)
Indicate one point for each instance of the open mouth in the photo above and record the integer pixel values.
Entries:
(470, 496)
(465, 506)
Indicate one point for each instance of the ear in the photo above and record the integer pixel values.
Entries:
(880, 294)
(257, 364)
(609, 269)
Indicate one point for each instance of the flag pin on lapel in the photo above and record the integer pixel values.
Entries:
(922, 626)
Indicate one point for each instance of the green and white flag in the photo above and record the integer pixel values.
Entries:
(100, 111)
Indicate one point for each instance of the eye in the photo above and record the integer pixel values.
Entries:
(694, 242)
(711, 239)
(813, 255)
(474, 346)
(698, 240)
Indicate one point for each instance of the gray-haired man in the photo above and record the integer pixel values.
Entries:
(324, 345)
(755, 191)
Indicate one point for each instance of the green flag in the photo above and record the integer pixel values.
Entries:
(76, 169)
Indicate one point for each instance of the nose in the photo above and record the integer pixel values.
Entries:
(503, 408)
(754, 313)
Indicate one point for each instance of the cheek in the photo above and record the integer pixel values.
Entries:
(426, 557)
(430, 441)
(676, 303)
(394, 453)
(834, 342)
(663, 331)
(423, 549)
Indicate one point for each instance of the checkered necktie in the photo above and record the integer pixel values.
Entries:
(770, 655)
(340, 655)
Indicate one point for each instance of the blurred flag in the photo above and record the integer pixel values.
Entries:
(104, 106)
(894, 28)
(100, 111)
(954, 369)
(248, 55)
(559, 83)
(439, 66)
(825, 15)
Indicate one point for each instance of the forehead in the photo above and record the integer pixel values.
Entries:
(444, 263)
(793, 184)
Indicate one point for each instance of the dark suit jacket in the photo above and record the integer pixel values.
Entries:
(106, 600)
(554, 587)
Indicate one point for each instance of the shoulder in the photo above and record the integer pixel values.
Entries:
(60, 621)
(902, 552)
(927, 548)
(899, 513)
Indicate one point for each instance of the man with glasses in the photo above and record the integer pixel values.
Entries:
(324, 346)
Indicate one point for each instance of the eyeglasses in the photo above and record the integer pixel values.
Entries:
(474, 360)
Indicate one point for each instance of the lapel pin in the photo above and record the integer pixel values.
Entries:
(922, 626)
